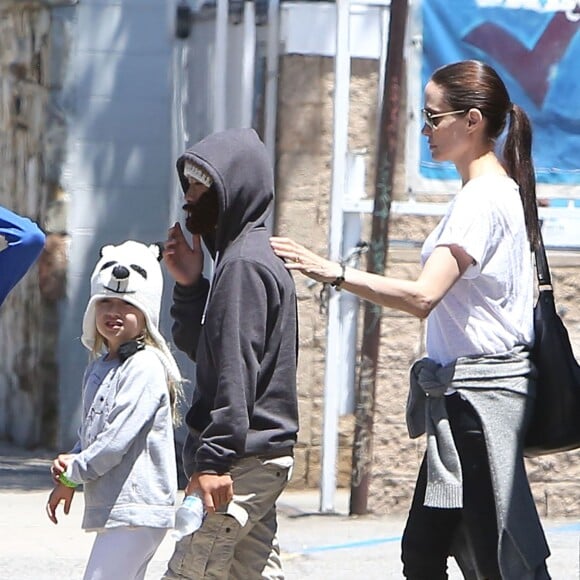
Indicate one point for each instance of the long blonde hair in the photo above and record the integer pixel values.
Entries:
(174, 383)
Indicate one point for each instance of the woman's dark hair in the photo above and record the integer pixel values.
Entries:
(473, 84)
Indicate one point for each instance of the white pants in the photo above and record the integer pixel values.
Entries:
(123, 553)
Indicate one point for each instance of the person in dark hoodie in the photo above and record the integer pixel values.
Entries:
(241, 330)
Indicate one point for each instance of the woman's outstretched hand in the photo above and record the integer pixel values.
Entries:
(297, 257)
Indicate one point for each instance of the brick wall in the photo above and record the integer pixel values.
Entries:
(303, 192)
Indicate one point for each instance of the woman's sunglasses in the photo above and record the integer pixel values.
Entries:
(429, 118)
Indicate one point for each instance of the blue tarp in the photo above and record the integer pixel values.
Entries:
(536, 52)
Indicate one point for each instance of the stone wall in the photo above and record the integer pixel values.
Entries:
(32, 57)
(555, 479)
(303, 193)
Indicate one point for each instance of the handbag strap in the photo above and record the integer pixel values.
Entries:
(542, 268)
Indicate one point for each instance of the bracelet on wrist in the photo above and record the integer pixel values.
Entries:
(339, 280)
(62, 478)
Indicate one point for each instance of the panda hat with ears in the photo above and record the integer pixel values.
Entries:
(130, 272)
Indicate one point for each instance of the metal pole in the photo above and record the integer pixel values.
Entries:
(220, 65)
(333, 348)
(248, 64)
(272, 57)
(377, 257)
(179, 128)
(349, 303)
(271, 88)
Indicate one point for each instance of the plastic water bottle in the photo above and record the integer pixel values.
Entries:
(189, 517)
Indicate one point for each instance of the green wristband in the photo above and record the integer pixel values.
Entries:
(62, 478)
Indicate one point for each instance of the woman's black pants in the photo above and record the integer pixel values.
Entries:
(430, 531)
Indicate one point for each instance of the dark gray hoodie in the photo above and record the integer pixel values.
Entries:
(245, 400)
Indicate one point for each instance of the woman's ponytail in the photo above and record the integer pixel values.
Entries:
(517, 154)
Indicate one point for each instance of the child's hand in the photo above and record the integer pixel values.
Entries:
(58, 494)
(59, 466)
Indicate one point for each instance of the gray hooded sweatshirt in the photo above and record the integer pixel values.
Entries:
(245, 401)
(125, 455)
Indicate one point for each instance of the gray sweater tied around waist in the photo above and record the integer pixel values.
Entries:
(501, 389)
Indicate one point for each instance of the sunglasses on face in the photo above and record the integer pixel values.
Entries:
(429, 118)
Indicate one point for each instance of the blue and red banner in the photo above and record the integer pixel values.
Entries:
(535, 47)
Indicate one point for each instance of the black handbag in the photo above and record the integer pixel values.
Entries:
(555, 422)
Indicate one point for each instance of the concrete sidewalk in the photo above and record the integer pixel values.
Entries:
(314, 546)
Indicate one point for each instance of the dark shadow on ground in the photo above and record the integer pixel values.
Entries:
(24, 469)
(29, 469)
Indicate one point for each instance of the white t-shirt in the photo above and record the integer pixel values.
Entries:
(489, 310)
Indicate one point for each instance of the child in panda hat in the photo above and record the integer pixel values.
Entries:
(125, 455)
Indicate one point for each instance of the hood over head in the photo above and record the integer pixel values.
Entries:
(238, 163)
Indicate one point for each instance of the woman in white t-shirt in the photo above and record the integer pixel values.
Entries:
(473, 394)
